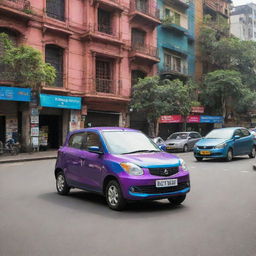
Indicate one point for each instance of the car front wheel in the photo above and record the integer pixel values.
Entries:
(253, 153)
(61, 184)
(199, 159)
(229, 156)
(114, 196)
(177, 200)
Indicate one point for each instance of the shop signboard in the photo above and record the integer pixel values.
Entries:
(197, 109)
(57, 101)
(15, 94)
(193, 119)
(171, 119)
(211, 119)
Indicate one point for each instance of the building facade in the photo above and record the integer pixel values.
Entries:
(176, 37)
(98, 47)
(243, 22)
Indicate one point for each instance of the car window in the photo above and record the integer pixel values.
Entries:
(76, 140)
(178, 136)
(238, 132)
(245, 132)
(197, 135)
(91, 139)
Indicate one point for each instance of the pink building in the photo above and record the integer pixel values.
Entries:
(98, 47)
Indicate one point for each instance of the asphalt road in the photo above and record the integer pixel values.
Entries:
(218, 217)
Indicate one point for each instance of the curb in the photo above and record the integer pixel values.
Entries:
(27, 159)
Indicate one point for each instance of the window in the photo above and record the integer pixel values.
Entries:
(136, 74)
(177, 18)
(173, 62)
(167, 12)
(76, 140)
(104, 22)
(245, 132)
(54, 56)
(104, 76)
(142, 5)
(168, 60)
(92, 140)
(56, 9)
(195, 135)
(238, 132)
(138, 38)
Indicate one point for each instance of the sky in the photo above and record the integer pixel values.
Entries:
(240, 2)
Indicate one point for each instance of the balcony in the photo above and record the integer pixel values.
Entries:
(144, 52)
(181, 3)
(98, 89)
(16, 8)
(148, 14)
(103, 33)
(170, 24)
(175, 70)
(217, 6)
(111, 4)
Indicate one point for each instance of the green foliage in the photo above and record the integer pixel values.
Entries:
(225, 92)
(26, 64)
(156, 97)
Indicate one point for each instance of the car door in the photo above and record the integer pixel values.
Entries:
(192, 140)
(247, 141)
(238, 143)
(92, 163)
(72, 158)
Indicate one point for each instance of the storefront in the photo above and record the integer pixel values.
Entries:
(102, 118)
(12, 102)
(176, 123)
(57, 115)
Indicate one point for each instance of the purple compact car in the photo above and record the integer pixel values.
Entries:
(121, 164)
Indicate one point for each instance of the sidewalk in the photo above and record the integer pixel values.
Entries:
(22, 157)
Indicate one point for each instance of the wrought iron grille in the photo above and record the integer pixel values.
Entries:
(54, 56)
(56, 9)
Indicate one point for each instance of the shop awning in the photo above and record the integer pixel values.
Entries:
(15, 93)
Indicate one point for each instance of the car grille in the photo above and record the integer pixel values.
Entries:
(164, 171)
(205, 147)
(154, 190)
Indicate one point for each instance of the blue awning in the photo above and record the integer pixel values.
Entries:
(15, 93)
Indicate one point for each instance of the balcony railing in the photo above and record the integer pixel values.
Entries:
(217, 6)
(182, 70)
(102, 28)
(22, 5)
(149, 8)
(145, 49)
(105, 86)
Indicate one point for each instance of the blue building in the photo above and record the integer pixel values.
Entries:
(176, 37)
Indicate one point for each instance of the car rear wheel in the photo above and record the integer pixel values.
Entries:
(114, 196)
(185, 148)
(61, 184)
(229, 156)
(199, 159)
(253, 153)
(177, 200)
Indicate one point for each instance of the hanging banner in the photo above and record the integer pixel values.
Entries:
(197, 109)
(193, 119)
(211, 119)
(171, 119)
(15, 94)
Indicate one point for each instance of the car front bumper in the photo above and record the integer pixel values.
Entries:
(145, 187)
(210, 153)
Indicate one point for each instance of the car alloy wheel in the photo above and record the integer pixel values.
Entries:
(253, 153)
(61, 184)
(229, 155)
(185, 148)
(114, 196)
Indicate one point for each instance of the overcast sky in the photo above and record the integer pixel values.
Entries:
(240, 2)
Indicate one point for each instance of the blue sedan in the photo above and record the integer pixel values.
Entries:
(225, 143)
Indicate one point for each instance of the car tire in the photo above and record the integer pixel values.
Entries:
(253, 153)
(177, 200)
(229, 156)
(199, 159)
(114, 196)
(185, 148)
(61, 184)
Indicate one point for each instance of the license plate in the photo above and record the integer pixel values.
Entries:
(205, 152)
(169, 147)
(166, 183)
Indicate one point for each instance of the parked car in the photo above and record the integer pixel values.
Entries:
(160, 143)
(121, 164)
(182, 141)
(225, 143)
(253, 132)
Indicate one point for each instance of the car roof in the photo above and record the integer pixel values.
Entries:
(230, 128)
(100, 129)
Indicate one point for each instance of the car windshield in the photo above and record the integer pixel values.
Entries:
(128, 142)
(220, 134)
(178, 136)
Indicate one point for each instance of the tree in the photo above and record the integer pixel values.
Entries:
(157, 97)
(224, 91)
(25, 64)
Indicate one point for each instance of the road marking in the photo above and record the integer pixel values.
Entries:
(245, 171)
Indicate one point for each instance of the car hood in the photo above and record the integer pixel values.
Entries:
(175, 141)
(149, 160)
(210, 142)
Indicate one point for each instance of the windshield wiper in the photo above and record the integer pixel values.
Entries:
(141, 151)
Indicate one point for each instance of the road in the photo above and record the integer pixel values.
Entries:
(218, 217)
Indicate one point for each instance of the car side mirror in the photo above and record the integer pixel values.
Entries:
(95, 149)
(236, 137)
(162, 147)
(189, 138)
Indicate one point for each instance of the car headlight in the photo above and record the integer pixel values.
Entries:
(183, 165)
(222, 145)
(132, 169)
